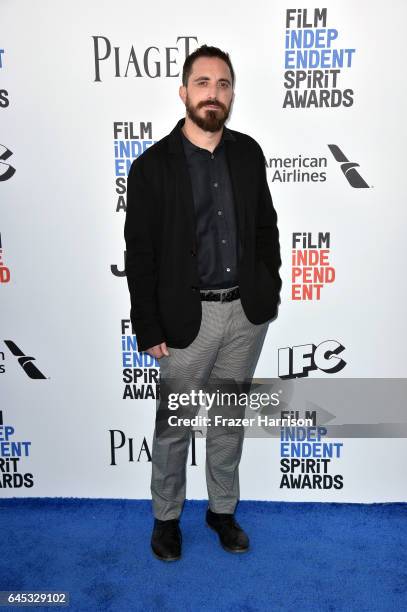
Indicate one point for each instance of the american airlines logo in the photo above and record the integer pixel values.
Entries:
(25, 362)
(6, 171)
(348, 168)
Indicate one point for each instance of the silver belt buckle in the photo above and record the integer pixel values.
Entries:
(225, 294)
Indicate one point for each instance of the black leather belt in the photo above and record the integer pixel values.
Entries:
(220, 295)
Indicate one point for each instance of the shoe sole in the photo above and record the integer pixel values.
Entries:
(168, 559)
(235, 551)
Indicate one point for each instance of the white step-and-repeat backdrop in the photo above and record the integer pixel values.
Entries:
(85, 87)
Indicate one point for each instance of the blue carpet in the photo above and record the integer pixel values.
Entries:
(304, 556)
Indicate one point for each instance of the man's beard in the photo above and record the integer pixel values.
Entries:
(213, 120)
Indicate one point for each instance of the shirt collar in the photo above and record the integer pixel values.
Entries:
(191, 147)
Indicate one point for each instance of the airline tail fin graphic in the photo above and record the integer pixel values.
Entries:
(25, 362)
(6, 171)
(348, 168)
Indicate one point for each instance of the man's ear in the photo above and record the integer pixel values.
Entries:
(183, 93)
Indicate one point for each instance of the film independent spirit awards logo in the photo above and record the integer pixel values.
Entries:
(5, 274)
(13, 455)
(314, 64)
(311, 266)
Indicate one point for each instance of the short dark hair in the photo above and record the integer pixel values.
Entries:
(205, 51)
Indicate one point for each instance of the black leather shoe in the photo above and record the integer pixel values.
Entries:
(231, 535)
(166, 540)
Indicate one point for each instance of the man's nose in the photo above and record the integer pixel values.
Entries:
(211, 91)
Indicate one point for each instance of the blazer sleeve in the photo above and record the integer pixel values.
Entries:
(140, 262)
(267, 234)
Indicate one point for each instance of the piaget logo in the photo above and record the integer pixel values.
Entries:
(112, 60)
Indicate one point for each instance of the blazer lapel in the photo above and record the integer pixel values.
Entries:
(183, 180)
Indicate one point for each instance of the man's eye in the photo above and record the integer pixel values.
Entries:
(224, 85)
(202, 83)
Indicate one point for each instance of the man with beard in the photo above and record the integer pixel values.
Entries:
(202, 265)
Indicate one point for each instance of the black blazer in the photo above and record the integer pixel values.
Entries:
(160, 239)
